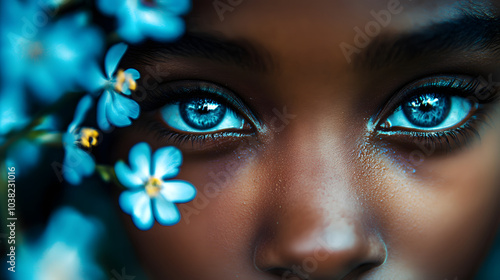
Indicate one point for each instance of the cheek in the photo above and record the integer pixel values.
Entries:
(446, 212)
(435, 220)
(216, 231)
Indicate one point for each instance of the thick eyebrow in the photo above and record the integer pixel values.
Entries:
(201, 45)
(471, 32)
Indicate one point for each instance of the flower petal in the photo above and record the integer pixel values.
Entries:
(71, 176)
(102, 120)
(175, 6)
(127, 106)
(166, 162)
(166, 212)
(81, 111)
(128, 22)
(77, 164)
(44, 84)
(113, 57)
(109, 7)
(92, 79)
(87, 164)
(138, 205)
(163, 27)
(127, 177)
(140, 159)
(178, 191)
(126, 91)
(24, 155)
(134, 73)
(12, 107)
(115, 116)
(121, 110)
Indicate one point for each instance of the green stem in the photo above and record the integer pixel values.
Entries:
(27, 131)
(107, 174)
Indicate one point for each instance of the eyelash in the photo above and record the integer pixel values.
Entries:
(439, 140)
(177, 92)
(447, 140)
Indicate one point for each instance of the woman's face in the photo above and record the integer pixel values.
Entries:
(326, 139)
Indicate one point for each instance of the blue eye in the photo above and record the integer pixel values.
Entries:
(200, 114)
(430, 112)
(441, 113)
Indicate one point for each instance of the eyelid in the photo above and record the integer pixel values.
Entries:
(173, 91)
(457, 85)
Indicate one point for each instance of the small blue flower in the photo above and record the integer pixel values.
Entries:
(24, 155)
(77, 162)
(44, 55)
(25, 152)
(64, 251)
(13, 109)
(156, 19)
(148, 191)
(113, 108)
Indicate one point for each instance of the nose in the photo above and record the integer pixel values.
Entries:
(341, 248)
(317, 228)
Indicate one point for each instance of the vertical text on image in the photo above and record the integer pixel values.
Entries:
(11, 219)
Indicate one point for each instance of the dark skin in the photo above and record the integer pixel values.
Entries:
(311, 189)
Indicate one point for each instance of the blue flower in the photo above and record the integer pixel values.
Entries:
(13, 114)
(24, 155)
(25, 152)
(44, 55)
(64, 251)
(148, 191)
(138, 19)
(113, 107)
(77, 162)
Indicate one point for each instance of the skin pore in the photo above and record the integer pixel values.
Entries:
(312, 185)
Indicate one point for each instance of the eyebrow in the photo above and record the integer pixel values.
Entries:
(202, 45)
(472, 32)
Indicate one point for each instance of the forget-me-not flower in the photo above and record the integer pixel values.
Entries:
(113, 108)
(77, 162)
(140, 19)
(25, 152)
(13, 111)
(149, 191)
(64, 251)
(43, 54)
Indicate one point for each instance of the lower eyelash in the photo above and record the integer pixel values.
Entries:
(206, 140)
(450, 140)
(445, 141)
(484, 96)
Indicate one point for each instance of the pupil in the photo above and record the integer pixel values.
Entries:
(426, 107)
(427, 110)
(202, 113)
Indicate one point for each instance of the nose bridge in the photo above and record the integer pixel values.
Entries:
(320, 229)
(313, 146)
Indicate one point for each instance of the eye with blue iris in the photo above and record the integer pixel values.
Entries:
(430, 112)
(201, 114)
(439, 109)
(199, 108)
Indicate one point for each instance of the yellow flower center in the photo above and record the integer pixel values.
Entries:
(88, 137)
(122, 80)
(153, 186)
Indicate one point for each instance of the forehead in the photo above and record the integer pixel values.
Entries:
(257, 14)
(289, 28)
